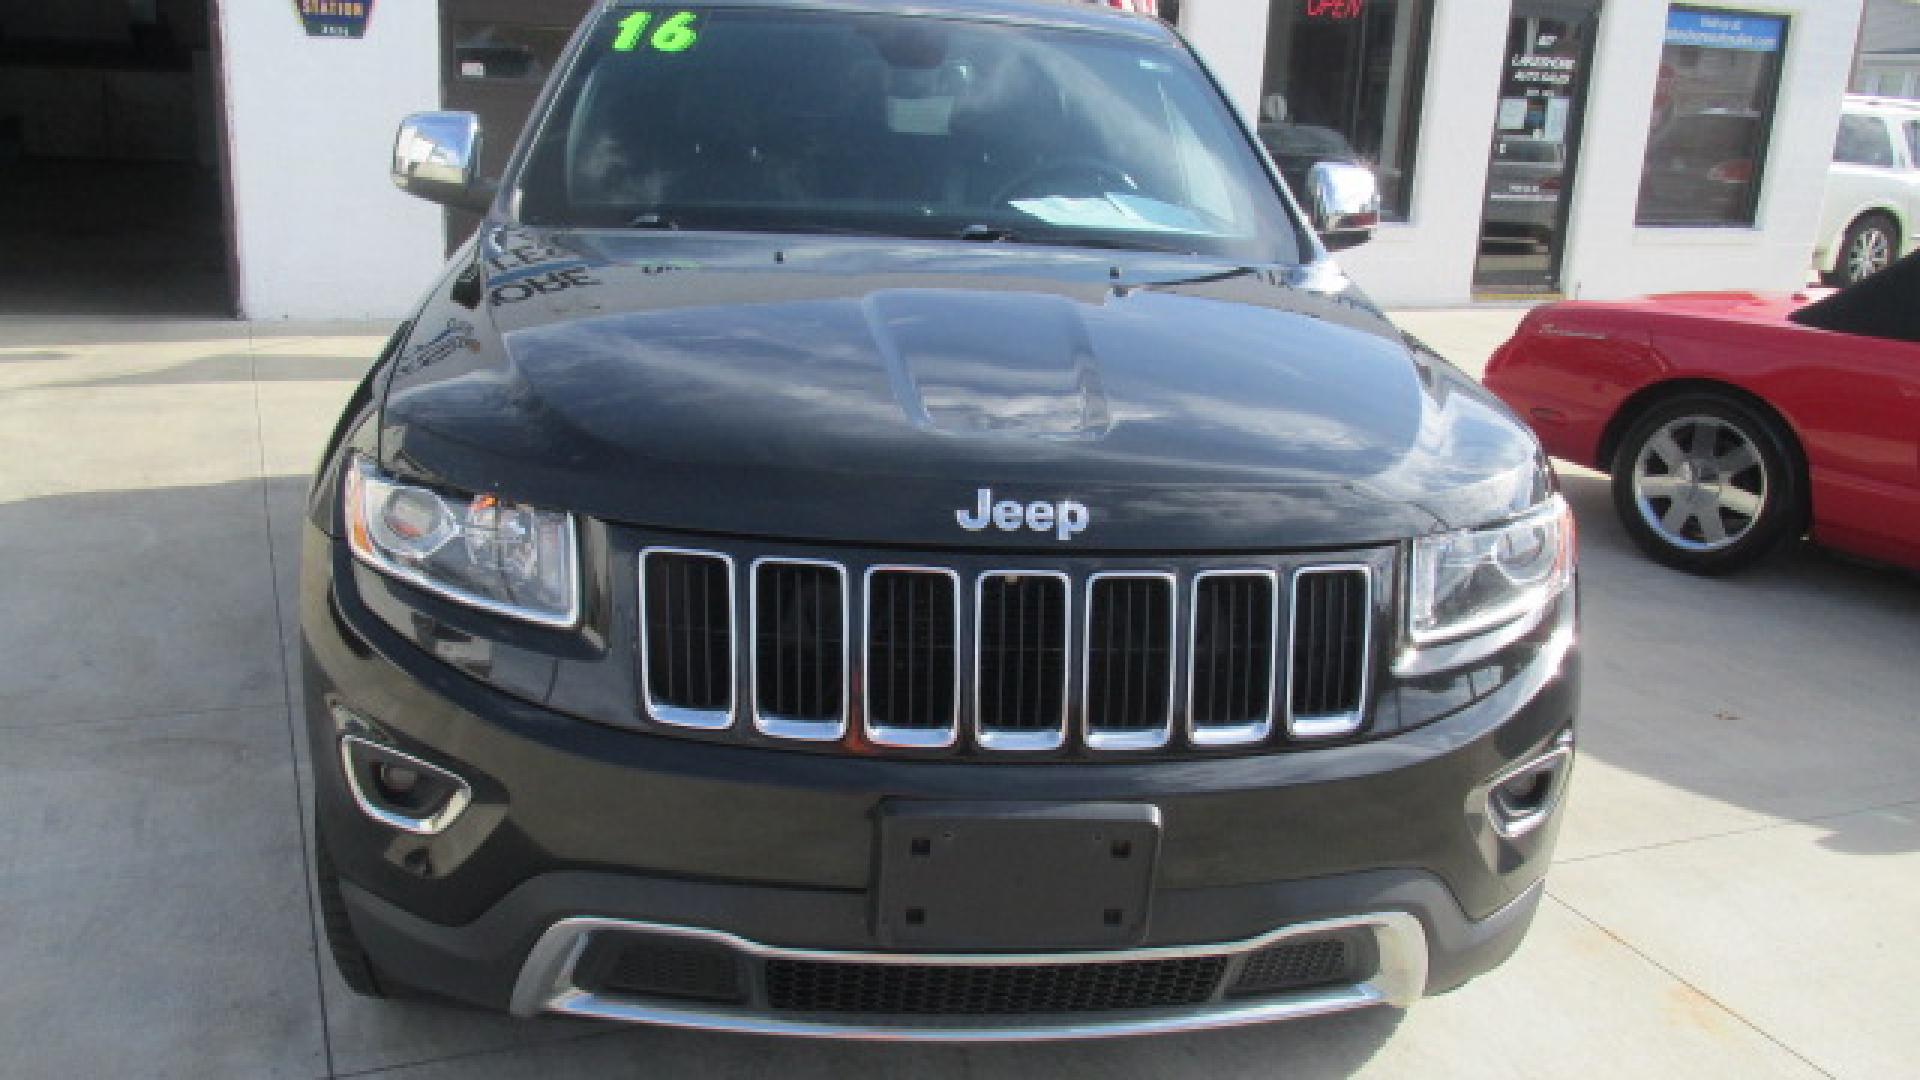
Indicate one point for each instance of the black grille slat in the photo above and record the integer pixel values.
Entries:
(822, 987)
(1130, 658)
(799, 643)
(1332, 610)
(1021, 667)
(1233, 645)
(688, 613)
(912, 651)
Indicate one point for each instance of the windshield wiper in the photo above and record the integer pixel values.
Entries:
(652, 220)
(989, 234)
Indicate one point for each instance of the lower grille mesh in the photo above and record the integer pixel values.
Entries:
(1295, 965)
(922, 990)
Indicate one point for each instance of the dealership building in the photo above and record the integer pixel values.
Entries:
(229, 156)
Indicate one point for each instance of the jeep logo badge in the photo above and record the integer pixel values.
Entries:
(1064, 518)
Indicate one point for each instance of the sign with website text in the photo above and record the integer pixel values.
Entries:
(1716, 30)
(335, 18)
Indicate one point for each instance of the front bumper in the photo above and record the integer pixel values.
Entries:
(576, 829)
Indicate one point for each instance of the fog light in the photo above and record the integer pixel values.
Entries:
(400, 790)
(1521, 799)
(397, 781)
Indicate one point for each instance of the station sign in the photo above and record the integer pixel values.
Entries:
(335, 18)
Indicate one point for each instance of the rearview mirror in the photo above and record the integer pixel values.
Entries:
(1344, 202)
(437, 158)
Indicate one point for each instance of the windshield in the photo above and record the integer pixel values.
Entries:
(788, 120)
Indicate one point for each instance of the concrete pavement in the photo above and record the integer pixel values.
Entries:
(1736, 877)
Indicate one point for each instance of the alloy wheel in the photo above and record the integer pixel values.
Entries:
(1700, 483)
(1870, 253)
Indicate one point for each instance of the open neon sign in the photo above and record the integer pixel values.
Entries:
(1335, 10)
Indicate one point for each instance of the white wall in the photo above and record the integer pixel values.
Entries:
(1429, 259)
(322, 233)
(1609, 257)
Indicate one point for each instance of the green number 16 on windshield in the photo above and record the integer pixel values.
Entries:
(675, 34)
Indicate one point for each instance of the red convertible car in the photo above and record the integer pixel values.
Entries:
(1731, 421)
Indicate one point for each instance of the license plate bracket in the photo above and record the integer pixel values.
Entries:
(1015, 876)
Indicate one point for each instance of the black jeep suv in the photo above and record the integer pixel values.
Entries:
(895, 528)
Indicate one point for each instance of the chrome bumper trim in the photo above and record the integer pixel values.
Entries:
(546, 985)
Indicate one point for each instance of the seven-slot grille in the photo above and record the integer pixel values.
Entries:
(1005, 660)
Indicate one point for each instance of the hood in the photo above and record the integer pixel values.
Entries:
(869, 391)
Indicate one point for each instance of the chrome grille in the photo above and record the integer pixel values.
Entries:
(1129, 661)
(967, 659)
(800, 649)
(687, 653)
(1230, 657)
(1331, 621)
(913, 656)
(1021, 641)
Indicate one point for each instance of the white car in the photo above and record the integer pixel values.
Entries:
(1872, 208)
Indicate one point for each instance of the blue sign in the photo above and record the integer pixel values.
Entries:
(1715, 30)
(335, 18)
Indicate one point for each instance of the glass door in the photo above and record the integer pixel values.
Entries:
(1536, 139)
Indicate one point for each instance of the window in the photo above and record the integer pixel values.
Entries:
(1712, 115)
(836, 122)
(1343, 82)
(502, 52)
(1913, 144)
(1863, 141)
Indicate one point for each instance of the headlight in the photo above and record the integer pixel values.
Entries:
(510, 559)
(1468, 584)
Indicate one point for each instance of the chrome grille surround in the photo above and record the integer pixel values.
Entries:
(1003, 738)
(696, 719)
(1337, 724)
(1125, 738)
(1237, 734)
(915, 738)
(959, 726)
(789, 727)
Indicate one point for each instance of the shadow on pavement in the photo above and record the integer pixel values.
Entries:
(1788, 690)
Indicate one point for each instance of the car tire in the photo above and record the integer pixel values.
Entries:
(1871, 245)
(1708, 483)
(355, 966)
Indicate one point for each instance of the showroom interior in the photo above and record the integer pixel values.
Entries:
(110, 183)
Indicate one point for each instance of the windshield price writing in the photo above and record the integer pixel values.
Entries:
(676, 34)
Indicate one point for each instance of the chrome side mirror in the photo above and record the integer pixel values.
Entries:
(1344, 201)
(437, 157)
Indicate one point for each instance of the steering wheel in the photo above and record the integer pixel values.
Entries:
(1103, 176)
